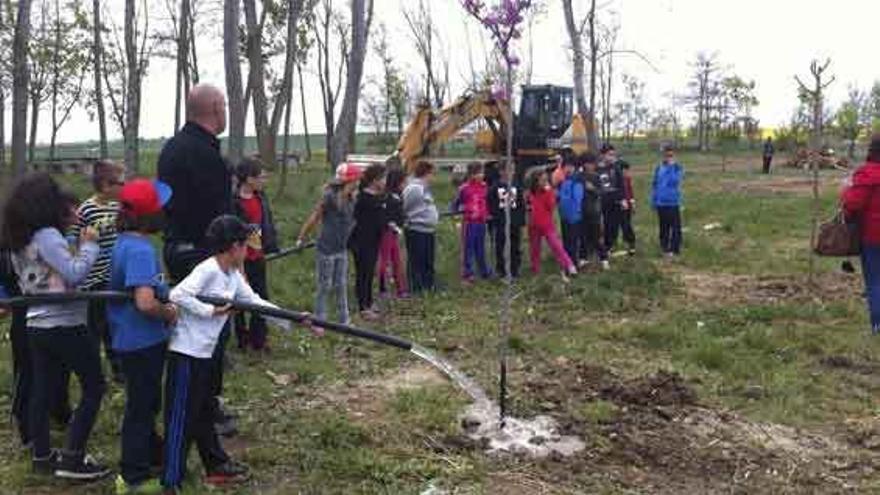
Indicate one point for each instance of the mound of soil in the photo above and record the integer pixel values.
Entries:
(661, 389)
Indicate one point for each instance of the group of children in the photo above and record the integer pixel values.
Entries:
(51, 245)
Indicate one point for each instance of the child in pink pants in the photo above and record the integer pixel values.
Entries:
(542, 200)
(389, 245)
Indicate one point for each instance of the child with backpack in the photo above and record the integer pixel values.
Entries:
(335, 212)
(189, 375)
(571, 198)
(542, 201)
(140, 330)
(504, 194)
(100, 212)
(666, 200)
(389, 248)
(36, 214)
(252, 206)
(472, 202)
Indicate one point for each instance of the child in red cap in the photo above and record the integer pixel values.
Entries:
(139, 329)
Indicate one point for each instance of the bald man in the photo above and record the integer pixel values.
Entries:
(192, 165)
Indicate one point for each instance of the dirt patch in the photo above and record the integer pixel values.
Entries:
(659, 439)
(713, 288)
(769, 186)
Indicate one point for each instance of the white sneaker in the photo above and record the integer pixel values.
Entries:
(572, 270)
(583, 263)
(565, 278)
(606, 265)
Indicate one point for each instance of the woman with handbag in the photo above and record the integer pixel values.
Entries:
(861, 205)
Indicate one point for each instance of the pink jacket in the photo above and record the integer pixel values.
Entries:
(472, 201)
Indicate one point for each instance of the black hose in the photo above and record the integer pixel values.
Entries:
(288, 251)
(284, 314)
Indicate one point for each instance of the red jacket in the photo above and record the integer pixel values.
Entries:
(543, 205)
(473, 201)
(861, 202)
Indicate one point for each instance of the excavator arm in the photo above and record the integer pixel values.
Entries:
(431, 128)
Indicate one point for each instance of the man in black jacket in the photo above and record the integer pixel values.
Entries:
(192, 165)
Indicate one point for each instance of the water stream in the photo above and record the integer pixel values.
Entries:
(538, 437)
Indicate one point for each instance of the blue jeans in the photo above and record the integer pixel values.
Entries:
(332, 274)
(474, 244)
(141, 445)
(420, 250)
(871, 272)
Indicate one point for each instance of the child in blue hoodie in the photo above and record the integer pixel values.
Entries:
(666, 199)
(571, 198)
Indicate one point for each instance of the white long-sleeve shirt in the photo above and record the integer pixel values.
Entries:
(198, 329)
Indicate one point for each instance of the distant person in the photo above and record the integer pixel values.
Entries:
(571, 203)
(501, 195)
(769, 151)
(472, 202)
(422, 217)
(335, 213)
(252, 206)
(191, 164)
(613, 192)
(591, 244)
(861, 205)
(369, 222)
(390, 256)
(100, 211)
(666, 200)
(542, 227)
(629, 207)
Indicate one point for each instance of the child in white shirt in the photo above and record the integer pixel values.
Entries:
(188, 412)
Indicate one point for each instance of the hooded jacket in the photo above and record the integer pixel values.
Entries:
(861, 202)
(666, 190)
(472, 201)
(571, 199)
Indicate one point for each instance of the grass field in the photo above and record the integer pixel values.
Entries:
(723, 372)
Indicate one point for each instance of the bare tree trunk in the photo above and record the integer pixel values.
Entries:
(132, 104)
(345, 126)
(56, 82)
(302, 98)
(577, 57)
(2, 127)
(182, 61)
(594, 58)
(35, 115)
(256, 77)
(286, 146)
(234, 95)
(194, 69)
(97, 63)
(20, 81)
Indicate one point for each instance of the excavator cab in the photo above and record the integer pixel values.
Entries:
(545, 113)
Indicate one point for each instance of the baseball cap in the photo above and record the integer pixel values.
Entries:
(348, 172)
(144, 196)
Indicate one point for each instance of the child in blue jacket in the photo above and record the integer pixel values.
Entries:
(666, 200)
(571, 198)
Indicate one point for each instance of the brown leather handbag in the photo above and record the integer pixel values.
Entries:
(837, 237)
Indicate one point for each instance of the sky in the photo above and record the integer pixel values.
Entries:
(769, 41)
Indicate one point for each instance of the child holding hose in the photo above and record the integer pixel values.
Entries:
(188, 378)
(140, 330)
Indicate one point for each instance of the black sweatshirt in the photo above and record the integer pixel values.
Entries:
(370, 219)
(497, 205)
(201, 182)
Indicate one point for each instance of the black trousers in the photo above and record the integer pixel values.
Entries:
(188, 417)
(75, 348)
(23, 378)
(591, 237)
(626, 225)
(366, 254)
(612, 217)
(572, 235)
(420, 248)
(768, 160)
(670, 228)
(253, 335)
(515, 250)
(100, 328)
(141, 445)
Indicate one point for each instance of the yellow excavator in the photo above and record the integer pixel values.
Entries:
(544, 125)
